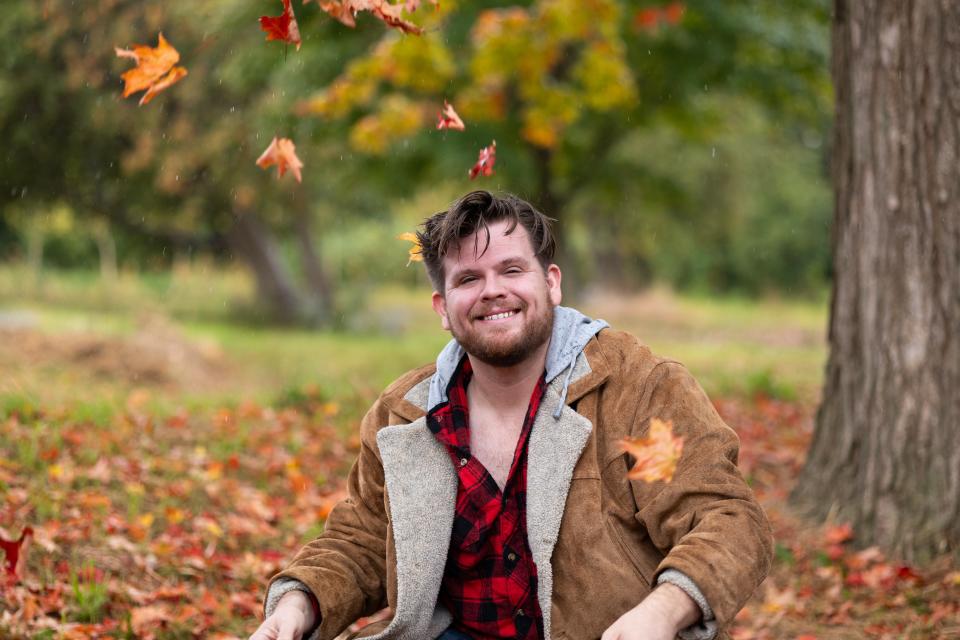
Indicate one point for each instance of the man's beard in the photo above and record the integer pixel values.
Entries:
(500, 354)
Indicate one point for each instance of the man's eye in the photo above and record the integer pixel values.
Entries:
(467, 279)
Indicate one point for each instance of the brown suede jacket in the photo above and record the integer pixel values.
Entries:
(599, 539)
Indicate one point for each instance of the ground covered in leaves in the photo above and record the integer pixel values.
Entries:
(166, 525)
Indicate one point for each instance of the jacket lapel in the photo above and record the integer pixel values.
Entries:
(555, 446)
(421, 485)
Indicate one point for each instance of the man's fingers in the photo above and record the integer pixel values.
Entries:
(266, 631)
(288, 630)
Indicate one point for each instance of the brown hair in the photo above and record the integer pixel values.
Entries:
(474, 212)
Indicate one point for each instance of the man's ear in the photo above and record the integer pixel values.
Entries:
(553, 284)
(440, 306)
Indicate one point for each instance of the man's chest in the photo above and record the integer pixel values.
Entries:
(493, 441)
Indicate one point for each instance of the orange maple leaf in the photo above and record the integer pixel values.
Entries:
(485, 161)
(283, 153)
(283, 27)
(449, 119)
(415, 254)
(155, 70)
(656, 455)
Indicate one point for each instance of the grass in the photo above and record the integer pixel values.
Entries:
(733, 346)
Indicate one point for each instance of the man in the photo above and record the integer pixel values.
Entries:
(490, 498)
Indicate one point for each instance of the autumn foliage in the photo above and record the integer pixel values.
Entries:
(183, 516)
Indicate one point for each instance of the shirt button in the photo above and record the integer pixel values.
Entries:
(511, 556)
(463, 462)
(519, 613)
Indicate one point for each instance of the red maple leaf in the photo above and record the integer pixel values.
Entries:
(15, 553)
(283, 153)
(283, 27)
(449, 119)
(485, 161)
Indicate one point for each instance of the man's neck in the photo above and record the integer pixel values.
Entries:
(508, 386)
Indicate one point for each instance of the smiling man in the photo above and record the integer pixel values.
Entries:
(491, 499)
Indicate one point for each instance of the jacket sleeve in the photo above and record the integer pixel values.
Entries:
(345, 566)
(706, 521)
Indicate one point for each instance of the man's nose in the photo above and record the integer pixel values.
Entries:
(493, 287)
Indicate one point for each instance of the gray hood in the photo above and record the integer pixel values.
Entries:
(571, 332)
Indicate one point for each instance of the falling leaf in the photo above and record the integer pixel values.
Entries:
(155, 70)
(345, 11)
(656, 455)
(449, 119)
(283, 153)
(484, 164)
(283, 27)
(415, 253)
(15, 553)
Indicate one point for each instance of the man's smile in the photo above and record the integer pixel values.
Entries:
(500, 315)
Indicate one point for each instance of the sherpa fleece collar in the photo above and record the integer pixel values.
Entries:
(571, 332)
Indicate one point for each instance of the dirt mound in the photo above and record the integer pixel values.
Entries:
(156, 354)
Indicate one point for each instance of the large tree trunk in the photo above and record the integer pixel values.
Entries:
(254, 244)
(886, 451)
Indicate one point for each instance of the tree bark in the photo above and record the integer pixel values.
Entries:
(107, 250)
(886, 451)
(254, 243)
(313, 271)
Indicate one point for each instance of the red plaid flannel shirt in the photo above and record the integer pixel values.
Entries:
(490, 580)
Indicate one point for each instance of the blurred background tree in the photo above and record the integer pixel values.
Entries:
(678, 143)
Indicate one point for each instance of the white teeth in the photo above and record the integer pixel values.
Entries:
(499, 316)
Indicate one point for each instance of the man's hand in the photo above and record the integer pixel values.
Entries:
(292, 618)
(662, 614)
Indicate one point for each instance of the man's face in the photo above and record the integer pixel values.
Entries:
(498, 305)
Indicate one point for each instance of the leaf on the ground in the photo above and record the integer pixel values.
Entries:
(485, 161)
(415, 252)
(838, 534)
(449, 119)
(656, 455)
(283, 27)
(155, 70)
(283, 153)
(15, 554)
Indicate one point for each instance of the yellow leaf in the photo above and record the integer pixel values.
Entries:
(415, 254)
(656, 455)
